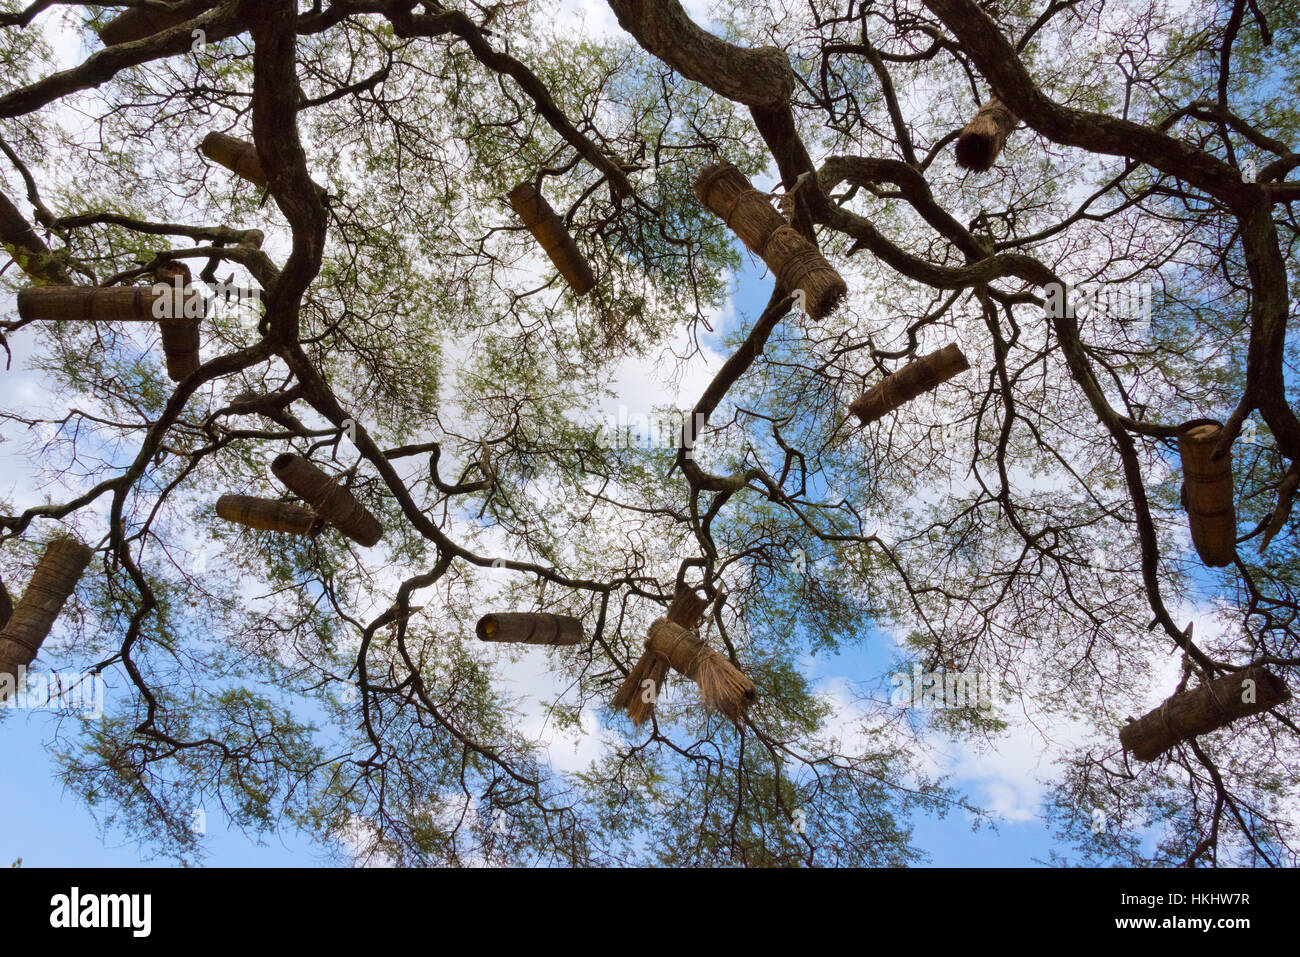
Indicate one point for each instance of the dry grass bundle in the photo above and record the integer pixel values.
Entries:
(722, 685)
(548, 229)
(907, 383)
(688, 608)
(1207, 492)
(331, 501)
(87, 303)
(268, 515)
(136, 24)
(26, 248)
(1202, 710)
(794, 261)
(982, 139)
(238, 156)
(530, 628)
(54, 580)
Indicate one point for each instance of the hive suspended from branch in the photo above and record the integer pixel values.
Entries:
(331, 501)
(53, 582)
(268, 515)
(795, 262)
(238, 156)
(907, 383)
(1202, 710)
(982, 139)
(87, 303)
(530, 628)
(1207, 492)
(637, 694)
(548, 229)
(179, 328)
(138, 23)
(722, 685)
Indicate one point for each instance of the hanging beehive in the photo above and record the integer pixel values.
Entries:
(548, 229)
(238, 156)
(54, 580)
(794, 261)
(268, 515)
(668, 645)
(87, 303)
(907, 383)
(26, 248)
(530, 628)
(331, 501)
(981, 140)
(138, 23)
(1204, 709)
(180, 330)
(1207, 492)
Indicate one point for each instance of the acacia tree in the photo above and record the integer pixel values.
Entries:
(1023, 520)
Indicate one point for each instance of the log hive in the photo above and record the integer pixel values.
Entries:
(794, 261)
(981, 140)
(1202, 710)
(1207, 492)
(907, 383)
(331, 501)
(54, 580)
(530, 628)
(268, 515)
(238, 156)
(180, 332)
(87, 303)
(548, 229)
(138, 23)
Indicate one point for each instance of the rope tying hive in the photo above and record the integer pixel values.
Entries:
(794, 261)
(1207, 492)
(907, 383)
(1204, 709)
(331, 501)
(981, 140)
(548, 229)
(268, 515)
(530, 628)
(55, 579)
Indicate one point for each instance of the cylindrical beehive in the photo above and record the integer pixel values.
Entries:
(136, 24)
(982, 139)
(87, 303)
(548, 229)
(238, 156)
(722, 685)
(528, 628)
(1202, 710)
(53, 582)
(1207, 490)
(795, 262)
(268, 515)
(331, 501)
(907, 383)
(180, 342)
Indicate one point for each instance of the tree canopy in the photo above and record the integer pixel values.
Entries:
(1120, 270)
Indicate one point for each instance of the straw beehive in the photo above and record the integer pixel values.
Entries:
(268, 515)
(794, 261)
(530, 628)
(548, 229)
(1204, 709)
(981, 140)
(1207, 492)
(722, 686)
(331, 501)
(54, 580)
(907, 383)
